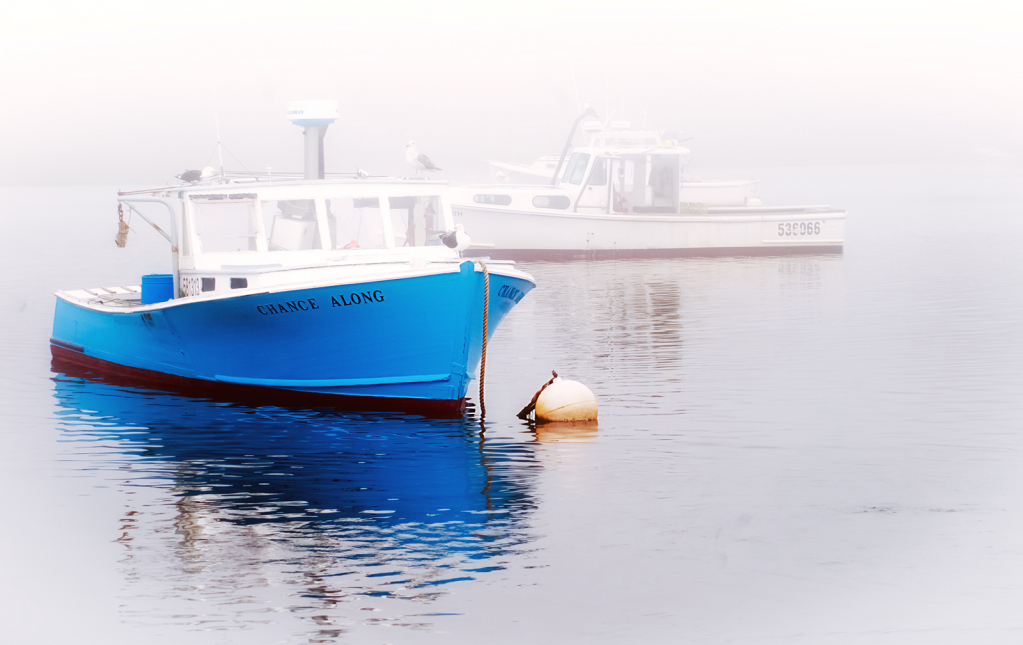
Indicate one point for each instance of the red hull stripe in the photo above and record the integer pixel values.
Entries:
(69, 359)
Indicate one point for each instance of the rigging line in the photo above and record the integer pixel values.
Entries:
(239, 161)
(211, 155)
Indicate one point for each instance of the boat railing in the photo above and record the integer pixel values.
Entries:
(172, 237)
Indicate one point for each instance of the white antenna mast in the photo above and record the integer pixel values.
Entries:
(216, 119)
(220, 146)
(575, 86)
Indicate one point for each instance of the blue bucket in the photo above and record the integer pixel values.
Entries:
(157, 287)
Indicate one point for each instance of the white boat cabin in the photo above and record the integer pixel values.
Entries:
(244, 235)
(608, 180)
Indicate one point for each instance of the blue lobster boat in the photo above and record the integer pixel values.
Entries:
(349, 292)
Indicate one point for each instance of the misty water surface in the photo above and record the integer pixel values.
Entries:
(797, 449)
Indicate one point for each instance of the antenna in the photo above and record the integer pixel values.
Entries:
(220, 146)
(216, 120)
(571, 67)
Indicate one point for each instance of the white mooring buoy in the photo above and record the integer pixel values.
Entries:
(561, 400)
(565, 400)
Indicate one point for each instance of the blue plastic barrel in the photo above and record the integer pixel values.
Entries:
(157, 287)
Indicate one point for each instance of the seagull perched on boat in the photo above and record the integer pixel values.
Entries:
(456, 239)
(417, 160)
(190, 176)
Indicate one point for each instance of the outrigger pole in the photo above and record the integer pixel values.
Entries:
(568, 144)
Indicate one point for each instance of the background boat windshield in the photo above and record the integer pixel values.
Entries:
(646, 184)
(577, 167)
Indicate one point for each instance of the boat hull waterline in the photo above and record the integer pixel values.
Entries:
(408, 343)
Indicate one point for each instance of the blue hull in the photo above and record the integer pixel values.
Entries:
(406, 340)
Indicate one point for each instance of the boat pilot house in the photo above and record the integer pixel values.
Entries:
(227, 228)
(641, 182)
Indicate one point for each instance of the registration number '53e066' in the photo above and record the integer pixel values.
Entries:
(799, 228)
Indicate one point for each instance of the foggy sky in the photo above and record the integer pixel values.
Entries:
(123, 93)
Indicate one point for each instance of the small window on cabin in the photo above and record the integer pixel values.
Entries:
(498, 200)
(355, 222)
(417, 221)
(225, 225)
(575, 172)
(565, 171)
(290, 225)
(598, 176)
(560, 202)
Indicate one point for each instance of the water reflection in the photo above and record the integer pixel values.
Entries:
(565, 431)
(226, 504)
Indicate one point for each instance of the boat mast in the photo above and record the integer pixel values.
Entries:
(220, 146)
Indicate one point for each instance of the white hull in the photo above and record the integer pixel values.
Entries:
(764, 229)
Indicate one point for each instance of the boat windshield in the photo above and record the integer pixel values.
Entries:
(598, 175)
(577, 167)
(237, 223)
(356, 223)
(225, 224)
(290, 225)
(416, 221)
(646, 183)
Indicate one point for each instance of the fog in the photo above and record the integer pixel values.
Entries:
(126, 93)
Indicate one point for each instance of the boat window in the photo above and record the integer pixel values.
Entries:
(598, 176)
(664, 181)
(629, 178)
(223, 226)
(355, 222)
(290, 225)
(552, 201)
(499, 200)
(568, 165)
(575, 171)
(416, 221)
(646, 184)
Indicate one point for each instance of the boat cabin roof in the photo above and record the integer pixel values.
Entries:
(299, 188)
(616, 151)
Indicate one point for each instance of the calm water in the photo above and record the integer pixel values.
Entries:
(790, 449)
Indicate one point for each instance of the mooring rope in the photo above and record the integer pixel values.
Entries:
(483, 357)
(526, 411)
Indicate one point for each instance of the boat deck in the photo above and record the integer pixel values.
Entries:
(130, 296)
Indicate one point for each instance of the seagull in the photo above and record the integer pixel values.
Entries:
(456, 239)
(416, 160)
(190, 176)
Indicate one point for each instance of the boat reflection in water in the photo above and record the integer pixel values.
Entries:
(242, 504)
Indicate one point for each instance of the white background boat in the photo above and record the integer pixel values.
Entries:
(714, 192)
(628, 200)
